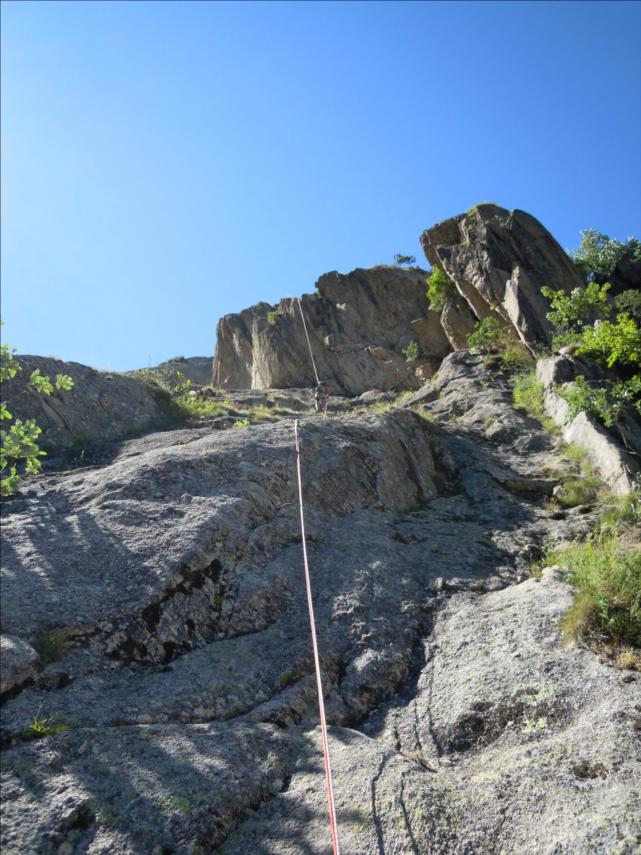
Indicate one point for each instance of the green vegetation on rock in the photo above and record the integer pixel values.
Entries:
(598, 255)
(20, 453)
(440, 289)
(607, 573)
(410, 353)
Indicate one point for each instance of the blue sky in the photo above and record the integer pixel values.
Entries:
(166, 163)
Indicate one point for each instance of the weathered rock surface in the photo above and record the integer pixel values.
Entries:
(101, 406)
(619, 468)
(502, 258)
(17, 662)
(460, 723)
(196, 369)
(358, 324)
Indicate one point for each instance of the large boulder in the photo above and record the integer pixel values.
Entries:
(101, 406)
(499, 258)
(358, 325)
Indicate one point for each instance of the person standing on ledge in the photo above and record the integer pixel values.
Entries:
(321, 398)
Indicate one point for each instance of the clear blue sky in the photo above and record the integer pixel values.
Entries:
(166, 163)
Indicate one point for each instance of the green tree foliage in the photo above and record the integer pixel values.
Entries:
(617, 343)
(440, 289)
(404, 259)
(20, 453)
(597, 256)
(630, 302)
(489, 335)
(572, 313)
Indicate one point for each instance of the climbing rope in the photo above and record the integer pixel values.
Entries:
(312, 623)
(309, 344)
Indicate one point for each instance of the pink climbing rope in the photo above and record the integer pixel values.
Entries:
(319, 685)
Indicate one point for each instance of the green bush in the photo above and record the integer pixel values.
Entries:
(571, 313)
(440, 289)
(272, 317)
(607, 574)
(630, 303)
(517, 358)
(616, 343)
(410, 352)
(489, 334)
(597, 256)
(19, 452)
(605, 402)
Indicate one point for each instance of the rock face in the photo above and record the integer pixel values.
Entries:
(196, 369)
(358, 324)
(618, 467)
(184, 699)
(101, 406)
(17, 662)
(502, 258)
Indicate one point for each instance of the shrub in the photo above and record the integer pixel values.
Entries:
(241, 423)
(272, 317)
(604, 402)
(572, 313)
(19, 452)
(629, 302)
(440, 289)
(608, 577)
(404, 259)
(410, 352)
(517, 359)
(488, 335)
(597, 256)
(613, 343)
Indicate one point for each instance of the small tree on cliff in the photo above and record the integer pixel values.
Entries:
(404, 259)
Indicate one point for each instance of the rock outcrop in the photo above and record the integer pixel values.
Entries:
(181, 713)
(196, 369)
(102, 406)
(619, 467)
(499, 258)
(361, 322)
(358, 324)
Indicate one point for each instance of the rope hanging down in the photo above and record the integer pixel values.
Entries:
(319, 686)
(309, 344)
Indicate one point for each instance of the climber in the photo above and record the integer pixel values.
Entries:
(321, 397)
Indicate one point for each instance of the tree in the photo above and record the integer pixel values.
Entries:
(404, 259)
(598, 255)
(19, 452)
(439, 289)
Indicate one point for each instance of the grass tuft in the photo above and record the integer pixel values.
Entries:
(528, 398)
(51, 646)
(42, 726)
(607, 573)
